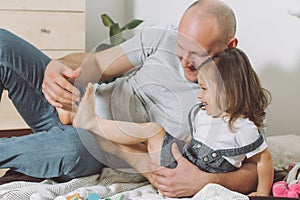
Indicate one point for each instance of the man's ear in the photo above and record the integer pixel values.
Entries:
(233, 42)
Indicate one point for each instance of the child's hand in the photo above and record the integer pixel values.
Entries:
(258, 194)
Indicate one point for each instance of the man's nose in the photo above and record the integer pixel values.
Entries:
(185, 62)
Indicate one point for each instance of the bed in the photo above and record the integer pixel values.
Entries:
(112, 183)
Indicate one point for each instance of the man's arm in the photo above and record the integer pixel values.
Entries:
(73, 60)
(186, 179)
(60, 74)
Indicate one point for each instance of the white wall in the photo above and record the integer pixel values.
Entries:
(268, 34)
(119, 10)
(160, 11)
(270, 37)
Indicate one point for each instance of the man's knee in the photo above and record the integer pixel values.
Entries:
(4, 35)
(8, 42)
(4, 32)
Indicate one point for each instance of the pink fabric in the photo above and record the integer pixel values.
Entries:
(280, 189)
(290, 187)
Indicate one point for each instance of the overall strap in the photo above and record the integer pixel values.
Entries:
(191, 117)
(241, 150)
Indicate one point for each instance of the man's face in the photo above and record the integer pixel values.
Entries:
(191, 56)
(196, 41)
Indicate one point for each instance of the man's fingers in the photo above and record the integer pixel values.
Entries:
(58, 85)
(72, 74)
(160, 170)
(175, 151)
(76, 73)
(165, 189)
(56, 95)
(65, 85)
(64, 91)
(55, 100)
(52, 101)
(168, 194)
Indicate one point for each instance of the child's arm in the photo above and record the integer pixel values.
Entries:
(265, 173)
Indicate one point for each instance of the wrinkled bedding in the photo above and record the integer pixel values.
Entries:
(110, 183)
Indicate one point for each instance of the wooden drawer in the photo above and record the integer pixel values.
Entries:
(44, 5)
(57, 27)
(47, 30)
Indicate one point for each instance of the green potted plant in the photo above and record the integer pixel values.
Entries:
(115, 31)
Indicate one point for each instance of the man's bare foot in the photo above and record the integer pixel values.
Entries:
(86, 117)
(65, 116)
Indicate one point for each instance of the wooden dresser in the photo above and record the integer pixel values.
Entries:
(57, 27)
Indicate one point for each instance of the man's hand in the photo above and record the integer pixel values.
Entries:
(57, 88)
(184, 180)
(187, 179)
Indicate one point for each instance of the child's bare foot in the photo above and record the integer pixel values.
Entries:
(86, 117)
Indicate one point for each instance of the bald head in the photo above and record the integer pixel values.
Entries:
(225, 18)
(206, 28)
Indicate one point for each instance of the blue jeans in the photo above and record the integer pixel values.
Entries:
(53, 150)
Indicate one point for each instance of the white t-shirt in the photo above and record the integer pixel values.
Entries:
(215, 133)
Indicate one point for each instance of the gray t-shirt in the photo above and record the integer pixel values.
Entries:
(156, 90)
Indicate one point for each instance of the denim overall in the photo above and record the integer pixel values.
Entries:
(201, 155)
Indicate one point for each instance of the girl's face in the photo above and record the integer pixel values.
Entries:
(207, 95)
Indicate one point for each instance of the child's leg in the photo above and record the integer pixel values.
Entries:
(135, 155)
(154, 146)
(116, 131)
(139, 155)
(125, 138)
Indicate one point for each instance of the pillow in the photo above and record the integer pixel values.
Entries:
(285, 150)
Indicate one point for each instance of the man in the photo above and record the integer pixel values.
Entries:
(145, 94)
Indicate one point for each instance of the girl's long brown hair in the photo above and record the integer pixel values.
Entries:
(238, 89)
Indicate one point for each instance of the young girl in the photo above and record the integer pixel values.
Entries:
(224, 126)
